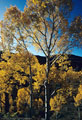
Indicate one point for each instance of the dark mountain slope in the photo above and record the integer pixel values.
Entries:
(76, 61)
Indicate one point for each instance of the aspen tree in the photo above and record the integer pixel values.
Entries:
(45, 24)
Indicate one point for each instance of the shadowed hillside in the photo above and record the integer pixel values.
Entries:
(76, 61)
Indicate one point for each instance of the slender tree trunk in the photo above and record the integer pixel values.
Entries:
(14, 95)
(31, 91)
(78, 113)
(56, 115)
(6, 102)
(0, 103)
(47, 90)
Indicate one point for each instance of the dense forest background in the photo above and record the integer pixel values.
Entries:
(65, 87)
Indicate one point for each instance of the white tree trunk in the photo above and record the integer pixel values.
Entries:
(47, 90)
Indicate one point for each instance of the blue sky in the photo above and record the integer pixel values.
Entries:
(6, 4)
(77, 10)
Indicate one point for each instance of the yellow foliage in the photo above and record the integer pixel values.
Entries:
(38, 103)
(56, 102)
(39, 76)
(78, 98)
(17, 68)
(2, 103)
(23, 99)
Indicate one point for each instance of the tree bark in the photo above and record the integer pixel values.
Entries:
(46, 85)
(6, 102)
(78, 113)
(0, 104)
(14, 95)
(31, 91)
